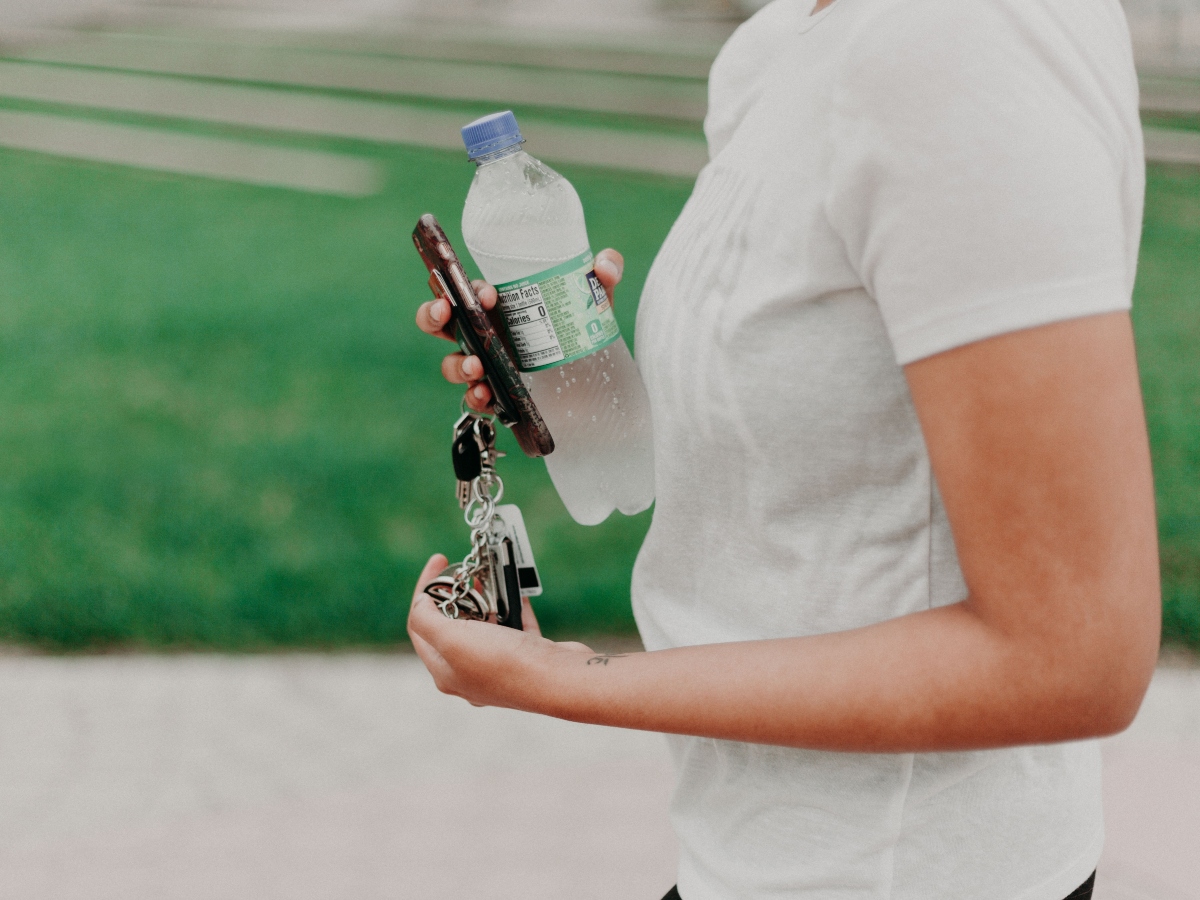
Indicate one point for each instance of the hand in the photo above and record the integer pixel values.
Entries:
(434, 317)
(484, 663)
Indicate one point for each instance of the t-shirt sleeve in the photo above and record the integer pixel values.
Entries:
(978, 180)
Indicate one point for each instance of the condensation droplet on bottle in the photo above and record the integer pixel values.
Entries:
(596, 467)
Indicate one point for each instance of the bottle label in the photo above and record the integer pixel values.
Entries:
(558, 316)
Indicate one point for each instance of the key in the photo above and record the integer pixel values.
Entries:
(467, 453)
(483, 432)
(479, 586)
(485, 436)
(467, 457)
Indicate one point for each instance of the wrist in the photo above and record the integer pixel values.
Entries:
(559, 674)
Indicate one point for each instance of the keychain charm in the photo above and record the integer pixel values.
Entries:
(453, 601)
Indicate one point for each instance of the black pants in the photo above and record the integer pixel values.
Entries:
(1083, 892)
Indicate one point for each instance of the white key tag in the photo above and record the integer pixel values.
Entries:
(509, 523)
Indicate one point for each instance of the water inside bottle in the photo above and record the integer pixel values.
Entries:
(523, 218)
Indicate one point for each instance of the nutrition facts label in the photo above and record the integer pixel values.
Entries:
(558, 316)
(530, 327)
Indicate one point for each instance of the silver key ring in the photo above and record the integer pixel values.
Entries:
(482, 507)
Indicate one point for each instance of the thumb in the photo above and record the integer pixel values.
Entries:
(433, 568)
(421, 600)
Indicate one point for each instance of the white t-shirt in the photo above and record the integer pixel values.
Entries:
(889, 179)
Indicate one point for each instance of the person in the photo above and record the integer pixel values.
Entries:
(902, 570)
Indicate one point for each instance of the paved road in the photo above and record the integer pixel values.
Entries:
(330, 777)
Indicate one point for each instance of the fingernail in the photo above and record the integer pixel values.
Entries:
(479, 392)
(610, 268)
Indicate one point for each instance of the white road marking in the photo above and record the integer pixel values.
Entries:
(369, 120)
(611, 148)
(189, 154)
(629, 54)
(594, 91)
(1169, 95)
(1172, 145)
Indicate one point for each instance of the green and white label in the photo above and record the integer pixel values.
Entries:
(558, 316)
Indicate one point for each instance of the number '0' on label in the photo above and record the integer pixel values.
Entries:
(558, 316)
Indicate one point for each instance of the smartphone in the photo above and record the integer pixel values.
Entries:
(477, 336)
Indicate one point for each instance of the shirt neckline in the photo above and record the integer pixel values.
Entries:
(811, 20)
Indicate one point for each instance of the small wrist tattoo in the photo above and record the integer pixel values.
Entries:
(601, 659)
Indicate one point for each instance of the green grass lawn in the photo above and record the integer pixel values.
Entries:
(219, 427)
(1167, 319)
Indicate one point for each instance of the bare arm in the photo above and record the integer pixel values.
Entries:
(1038, 442)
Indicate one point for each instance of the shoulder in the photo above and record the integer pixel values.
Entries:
(1007, 56)
(947, 26)
(1015, 84)
(741, 68)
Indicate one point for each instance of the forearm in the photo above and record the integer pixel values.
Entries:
(1038, 444)
(936, 680)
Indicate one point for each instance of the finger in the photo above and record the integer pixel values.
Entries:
(434, 318)
(486, 293)
(460, 369)
(479, 397)
(433, 567)
(529, 622)
(610, 269)
(427, 622)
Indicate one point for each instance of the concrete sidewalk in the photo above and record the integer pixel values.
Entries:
(311, 777)
(350, 777)
(1152, 795)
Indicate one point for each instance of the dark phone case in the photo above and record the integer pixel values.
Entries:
(514, 407)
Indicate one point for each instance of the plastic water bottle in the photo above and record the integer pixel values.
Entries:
(524, 227)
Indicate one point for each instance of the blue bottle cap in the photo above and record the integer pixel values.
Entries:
(491, 134)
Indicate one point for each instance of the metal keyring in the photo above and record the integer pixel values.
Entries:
(454, 591)
(482, 506)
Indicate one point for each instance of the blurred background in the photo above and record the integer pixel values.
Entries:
(219, 427)
(220, 431)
